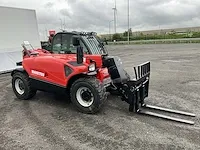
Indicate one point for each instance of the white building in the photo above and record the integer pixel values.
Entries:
(16, 25)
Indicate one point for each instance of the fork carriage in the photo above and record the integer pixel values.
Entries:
(138, 89)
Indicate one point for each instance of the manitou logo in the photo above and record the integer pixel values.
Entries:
(37, 73)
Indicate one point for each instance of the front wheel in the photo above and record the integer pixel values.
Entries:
(88, 95)
(22, 87)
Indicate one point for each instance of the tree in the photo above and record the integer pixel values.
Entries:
(116, 36)
(126, 33)
(130, 32)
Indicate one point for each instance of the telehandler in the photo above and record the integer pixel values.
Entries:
(79, 64)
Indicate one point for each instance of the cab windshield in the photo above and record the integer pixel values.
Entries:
(94, 45)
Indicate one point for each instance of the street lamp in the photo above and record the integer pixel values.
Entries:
(128, 24)
(115, 11)
(61, 23)
(109, 29)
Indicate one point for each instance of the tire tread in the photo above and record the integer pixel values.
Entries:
(98, 86)
(30, 92)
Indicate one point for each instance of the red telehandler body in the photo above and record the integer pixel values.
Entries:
(78, 64)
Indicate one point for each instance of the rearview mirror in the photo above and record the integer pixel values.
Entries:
(79, 55)
(76, 41)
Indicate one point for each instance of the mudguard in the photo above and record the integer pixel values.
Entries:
(18, 70)
(19, 63)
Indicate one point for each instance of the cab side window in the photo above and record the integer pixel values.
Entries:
(56, 45)
(67, 45)
(62, 43)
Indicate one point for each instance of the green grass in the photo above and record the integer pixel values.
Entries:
(162, 41)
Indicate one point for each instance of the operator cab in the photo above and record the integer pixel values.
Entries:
(89, 43)
(62, 43)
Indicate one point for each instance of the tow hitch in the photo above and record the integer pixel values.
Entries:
(137, 90)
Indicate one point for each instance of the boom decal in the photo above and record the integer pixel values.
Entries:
(38, 73)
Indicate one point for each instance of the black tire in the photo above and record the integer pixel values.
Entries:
(95, 87)
(29, 92)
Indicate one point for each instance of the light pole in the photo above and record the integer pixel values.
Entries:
(61, 23)
(128, 24)
(115, 9)
(64, 24)
(109, 29)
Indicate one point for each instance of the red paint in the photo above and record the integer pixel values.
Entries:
(102, 74)
(52, 65)
(52, 32)
(96, 58)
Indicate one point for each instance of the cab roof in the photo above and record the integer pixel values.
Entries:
(78, 33)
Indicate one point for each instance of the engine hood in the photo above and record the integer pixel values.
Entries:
(65, 58)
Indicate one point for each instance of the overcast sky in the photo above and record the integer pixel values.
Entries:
(94, 15)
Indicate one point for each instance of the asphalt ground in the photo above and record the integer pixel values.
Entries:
(50, 122)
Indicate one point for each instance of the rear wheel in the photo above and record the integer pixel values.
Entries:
(22, 87)
(88, 95)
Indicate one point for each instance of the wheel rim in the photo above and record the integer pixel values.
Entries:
(84, 96)
(19, 86)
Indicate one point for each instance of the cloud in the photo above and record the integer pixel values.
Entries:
(94, 15)
(49, 5)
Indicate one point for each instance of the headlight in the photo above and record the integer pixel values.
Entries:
(92, 67)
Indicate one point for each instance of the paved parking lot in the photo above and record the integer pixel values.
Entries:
(50, 122)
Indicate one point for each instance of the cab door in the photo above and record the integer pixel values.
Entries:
(62, 44)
